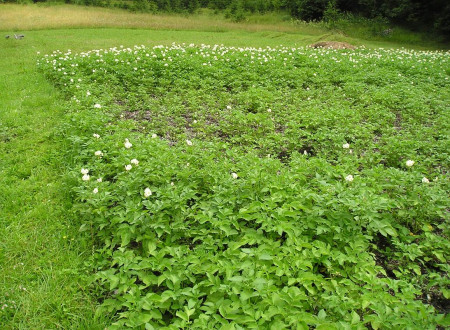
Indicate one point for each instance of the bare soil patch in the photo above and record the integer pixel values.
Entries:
(333, 45)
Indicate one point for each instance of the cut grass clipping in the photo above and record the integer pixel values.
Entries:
(262, 187)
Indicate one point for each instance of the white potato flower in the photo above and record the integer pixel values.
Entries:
(99, 153)
(346, 146)
(349, 178)
(86, 177)
(269, 110)
(128, 167)
(189, 142)
(84, 171)
(409, 163)
(229, 107)
(97, 106)
(127, 144)
(425, 180)
(96, 136)
(95, 190)
(154, 136)
(134, 161)
(99, 180)
(147, 192)
(234, 175)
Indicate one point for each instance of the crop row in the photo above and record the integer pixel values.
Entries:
(261, 187)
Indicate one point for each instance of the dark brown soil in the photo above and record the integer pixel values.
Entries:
(333, 45)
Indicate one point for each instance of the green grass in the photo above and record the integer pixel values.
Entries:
(42, 16)
(40, 249)
(56, 16)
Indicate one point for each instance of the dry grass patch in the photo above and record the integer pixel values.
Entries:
(35, 17)
(333, 45)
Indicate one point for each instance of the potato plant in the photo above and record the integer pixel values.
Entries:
(265, 188)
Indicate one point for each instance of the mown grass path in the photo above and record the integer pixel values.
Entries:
(39, 257)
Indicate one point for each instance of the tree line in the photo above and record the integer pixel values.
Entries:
(432, 15)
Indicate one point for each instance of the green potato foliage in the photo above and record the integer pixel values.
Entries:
(278, 188)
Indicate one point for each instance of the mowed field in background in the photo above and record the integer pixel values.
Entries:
(274, 25)
(59, 16)
(42, 277)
